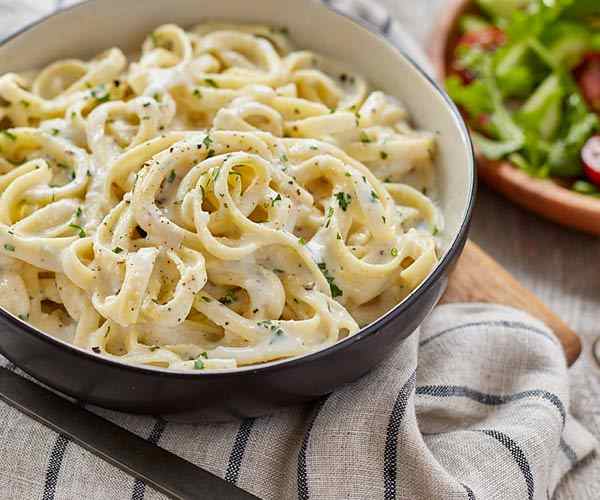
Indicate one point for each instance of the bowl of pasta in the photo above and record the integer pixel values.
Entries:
(211, 213)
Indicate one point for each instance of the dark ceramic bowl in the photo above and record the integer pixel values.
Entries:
(190, 396)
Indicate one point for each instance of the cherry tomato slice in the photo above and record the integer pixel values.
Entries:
(464, 74)
(486, 38)
(590, 157)
(588, 77)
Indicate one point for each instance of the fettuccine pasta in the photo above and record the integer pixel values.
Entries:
(223, 200)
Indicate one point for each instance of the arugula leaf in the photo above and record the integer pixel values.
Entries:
(530, 22)
(470, 23)
(567, 41)
(542, 111)
(510, 134)
(584, 187)
(564, 156)
(581, 10)
(516, 69)
(474, 98)
(502, 8)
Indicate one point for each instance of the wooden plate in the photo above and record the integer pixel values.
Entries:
(545, 197)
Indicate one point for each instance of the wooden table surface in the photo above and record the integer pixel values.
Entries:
(559, 265)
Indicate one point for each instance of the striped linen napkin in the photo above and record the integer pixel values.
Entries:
(484, 413)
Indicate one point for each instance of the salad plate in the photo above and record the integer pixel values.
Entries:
(526, 76)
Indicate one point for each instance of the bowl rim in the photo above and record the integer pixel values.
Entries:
(454, 248)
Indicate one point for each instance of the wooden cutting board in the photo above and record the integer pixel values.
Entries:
(479, 278)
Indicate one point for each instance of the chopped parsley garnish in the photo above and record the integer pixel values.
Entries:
(82, 233)
(273, 327)
(211, 82)
(435, 231)
(384, 155)
(211, 153)
(394, 252)
(229, 298)
(78, 212)
(275, 200)
(9, 247)
(207, 141)
(10, 135)
(343, 199)
(364, 138)
(339, 236)
(146, 104)
(284, 158)
(335, 290)
(206, 299)
(117, 249)
(198, 364)
(55, 131)
(329, 215)
(62, 165)
(23, 317)
(204, 355)
(157, 97)
(374, 196)
(348, 174)
(24, 103)
(100, 98)
(302, 241)
(197, 93)
(104, 98)
(172, 176)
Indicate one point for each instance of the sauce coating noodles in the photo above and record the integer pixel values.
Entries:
(223, 200)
